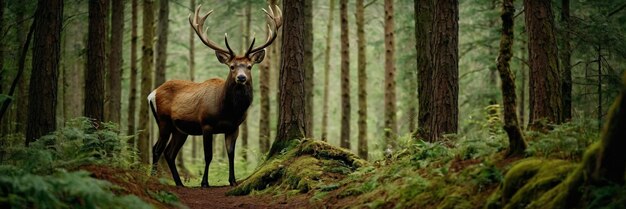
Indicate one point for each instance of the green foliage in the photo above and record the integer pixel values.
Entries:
(37, 176)
(62, 189)
(566, 141)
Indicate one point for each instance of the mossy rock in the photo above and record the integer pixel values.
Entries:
(310, 164)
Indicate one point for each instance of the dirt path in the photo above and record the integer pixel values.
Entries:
(215, 197)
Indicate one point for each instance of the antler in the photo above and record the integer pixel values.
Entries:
(277, 19)
(197, 22)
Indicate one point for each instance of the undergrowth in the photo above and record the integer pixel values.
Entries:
(48, 174)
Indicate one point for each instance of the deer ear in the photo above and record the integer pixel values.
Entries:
(222, 57)
(258, 57)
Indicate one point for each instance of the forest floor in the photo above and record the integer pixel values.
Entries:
(215, 197)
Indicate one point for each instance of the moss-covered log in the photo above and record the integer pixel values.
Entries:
(305, 165)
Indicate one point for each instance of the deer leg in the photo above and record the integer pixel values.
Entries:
(207, 142)
(230, 139)
(164, 136)
(178, 139)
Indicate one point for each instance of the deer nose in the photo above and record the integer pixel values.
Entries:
(241, 78)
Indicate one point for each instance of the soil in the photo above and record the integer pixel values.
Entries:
(215, 197)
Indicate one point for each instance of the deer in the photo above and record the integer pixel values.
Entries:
(215, 106)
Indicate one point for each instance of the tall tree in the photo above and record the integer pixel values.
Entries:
(291, 123)
(566, 56)
(161, 45)
(22, 88)
(43, 80)
(264, 85)
(361, 66)
(114, 77)
(146, 80)
(517, 145)
(94, 79)
(132, 95)
(192, 73)
(246, 42)
(345, 75)
(390, 77)
(445, 75)
(329, 32)
(308, 66)
(545, 77)
(423, 29)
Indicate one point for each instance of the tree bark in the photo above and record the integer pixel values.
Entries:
(566, 56)
(22, 87)
(445, 75)
(264, 85)
(192, 75)
(423, 31)
(517, 144)
(329, 32)
(362, 77)
(161, 45)
(132, 95)
(308, 66)
(545, 77)
(96, 56)
(391, 126)
(146, 80)
(291, 123)
(244, 126)
(114, 77)
(43, 80)
(524, 81)
(345, 75)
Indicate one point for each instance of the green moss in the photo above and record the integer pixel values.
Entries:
(455, 201)
(518, 176)
(302, 167)
(551, 174)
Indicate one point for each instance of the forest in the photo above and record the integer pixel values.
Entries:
(446, 104)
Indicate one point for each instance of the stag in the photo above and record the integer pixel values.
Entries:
(215, 106)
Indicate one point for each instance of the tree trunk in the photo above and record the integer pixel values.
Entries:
(445, 75)
(22, 88)
(94, 80)
(308, 66)
(43, 80)
(566, 56)
(291, 123)
(264, 85)
(192, 75)
(345, 75)
(545, 78)
(423, 29)
(132, 95)
(611, 162)
(114, 77)
(360, 35)
(161, 45)
(517, 144)
(524, 81)
(244, 125)
(146, 80)
(329, 32)
(391, 126)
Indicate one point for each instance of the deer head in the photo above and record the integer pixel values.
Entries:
(240, 66)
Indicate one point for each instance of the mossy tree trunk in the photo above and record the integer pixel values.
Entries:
(345, 75)
(146, 80)
(517, 145)
(445, 75)
(391, 126)
(329, 32)
(545, 77)
(361, 68)
(423, 29)
(611, 161)
(94, 79)
(291, 114)
(308, 66)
